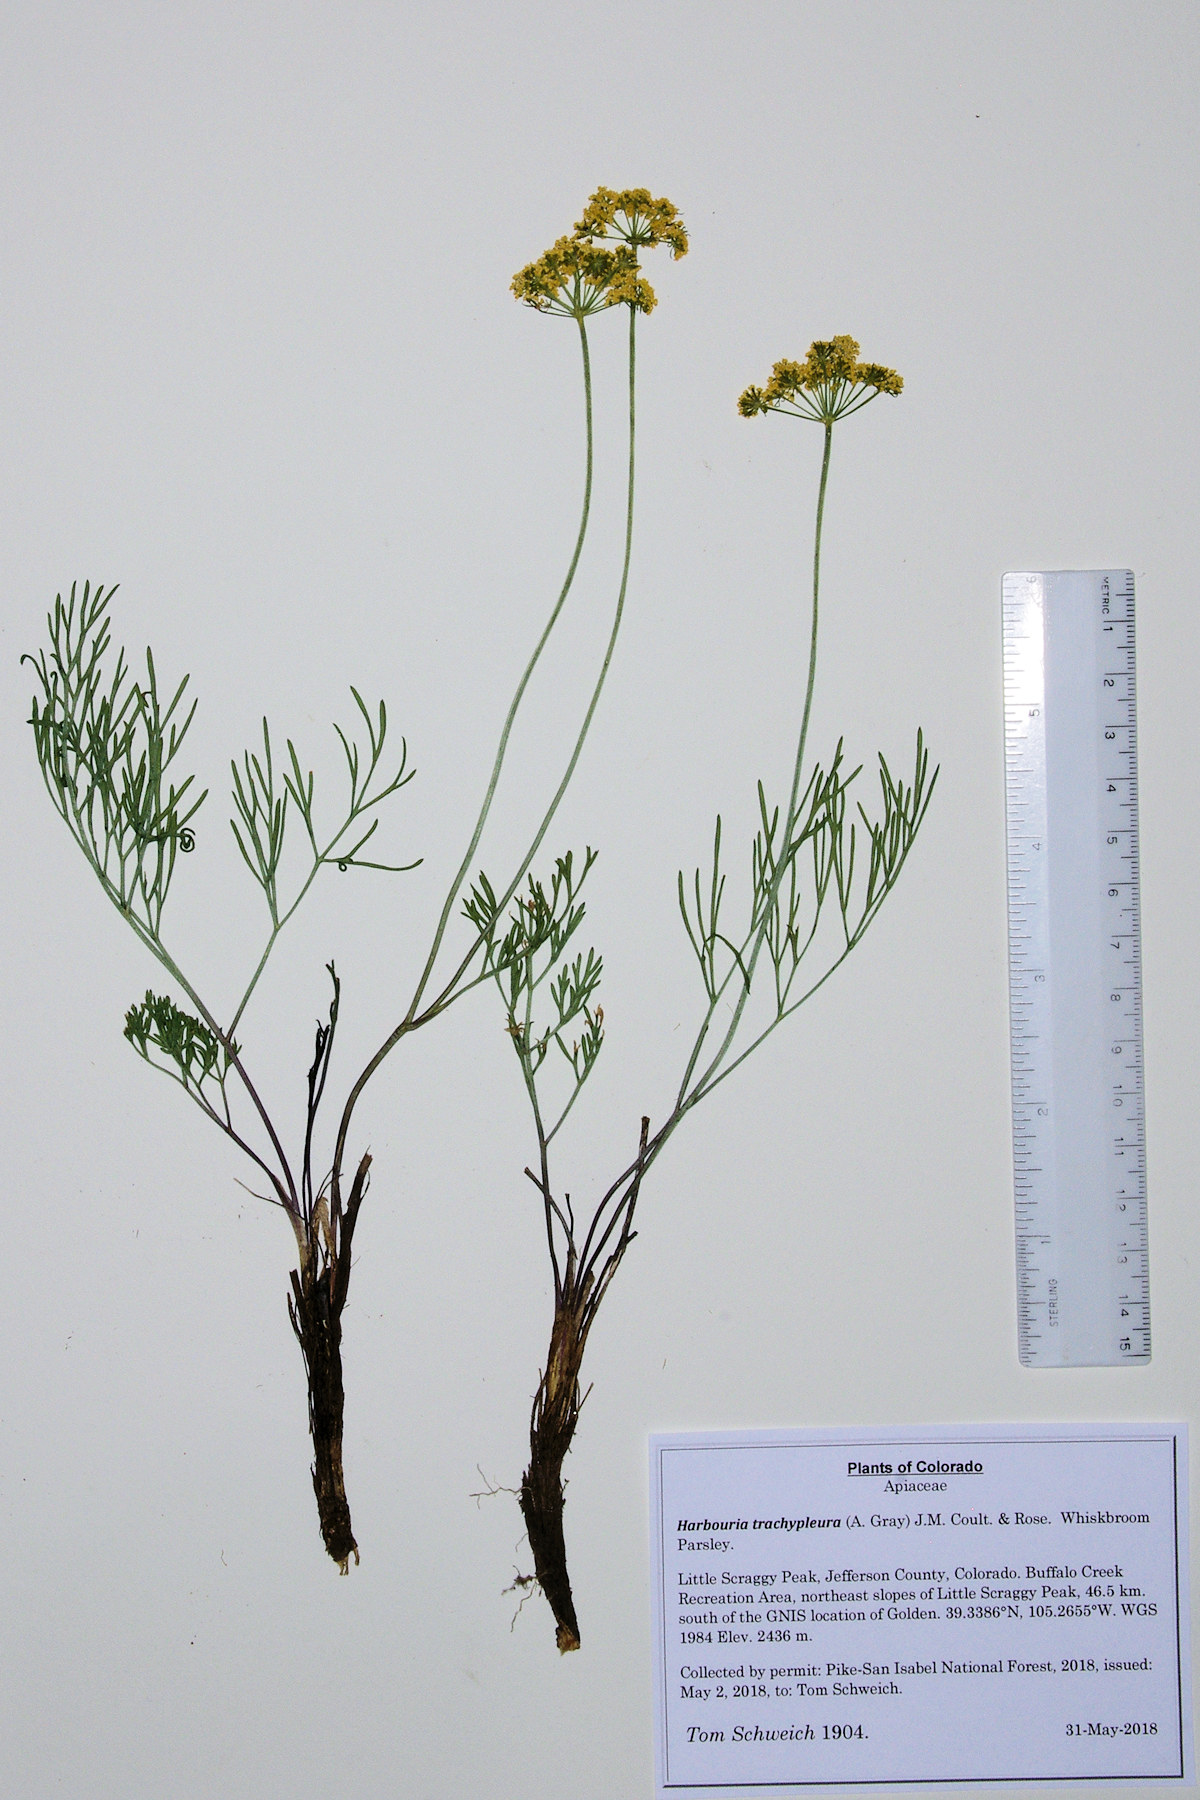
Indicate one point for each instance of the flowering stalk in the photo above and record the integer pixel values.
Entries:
(576, 278)
(107, 745)
(801, 862)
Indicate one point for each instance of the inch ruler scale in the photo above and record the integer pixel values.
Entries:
(1075, 986)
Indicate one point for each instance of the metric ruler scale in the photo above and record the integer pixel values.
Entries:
(1083, 1279)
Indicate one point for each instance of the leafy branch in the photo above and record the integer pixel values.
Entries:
(198, 1053)
(786, 907)
(529, 953)
(262, 808)
(106, 746)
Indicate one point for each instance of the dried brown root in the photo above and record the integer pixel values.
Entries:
(319, 1289)
(552, 1427)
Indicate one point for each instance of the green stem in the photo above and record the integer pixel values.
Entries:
(501, 749)
(413, 1017)
(360, 804)
(321, 859)
(579, 743)
(447, 992)
(685, 1098)
(594, 702)
(276, 928)
(812, 644)
(289, 1198)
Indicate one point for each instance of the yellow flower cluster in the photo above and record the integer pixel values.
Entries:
(827, 385)
(577, 276)
(635, 216)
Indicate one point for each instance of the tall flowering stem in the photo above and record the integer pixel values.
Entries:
(575, 279)
(829, 385)
(805, 863)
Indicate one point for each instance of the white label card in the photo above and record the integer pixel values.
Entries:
(1003, 1603)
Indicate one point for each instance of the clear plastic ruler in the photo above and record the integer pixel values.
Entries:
(1075, 986)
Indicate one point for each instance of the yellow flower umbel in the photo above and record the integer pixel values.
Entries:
(828, 385)
(576, 279)
(577, 276)
(634, 216)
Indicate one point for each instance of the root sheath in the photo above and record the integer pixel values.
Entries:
(319, 1289)
(552, 1427)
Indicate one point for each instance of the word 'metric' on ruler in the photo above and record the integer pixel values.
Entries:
(1075, 992)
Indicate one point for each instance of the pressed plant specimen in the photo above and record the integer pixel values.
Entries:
(819, 871)
(110, 747)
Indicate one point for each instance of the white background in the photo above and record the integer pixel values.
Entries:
(261, 366)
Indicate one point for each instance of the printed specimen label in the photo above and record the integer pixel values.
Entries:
(958, 1604)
